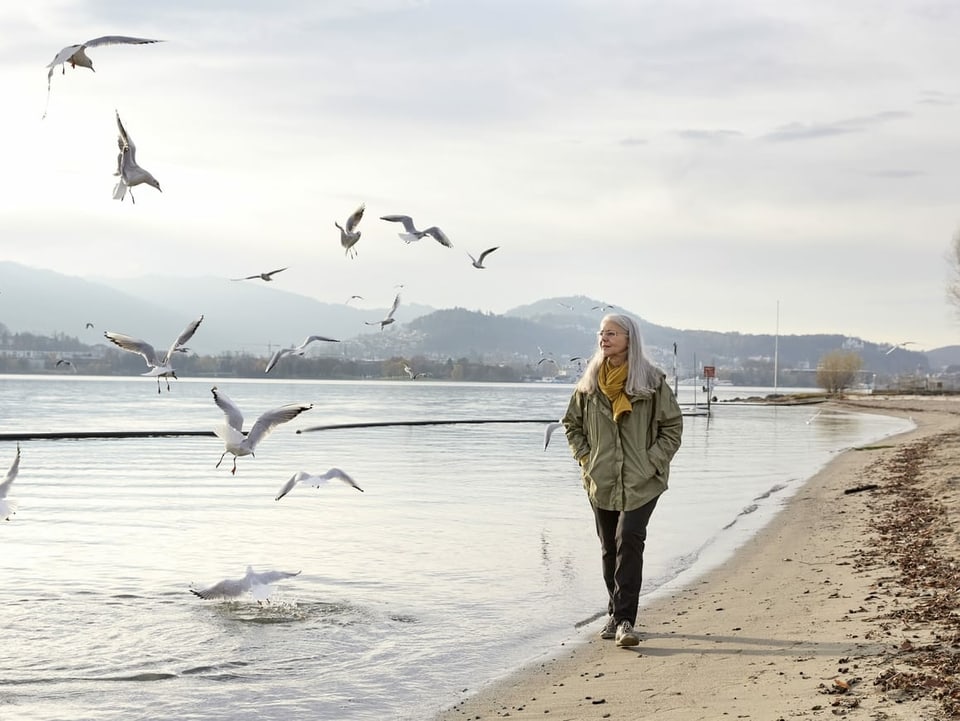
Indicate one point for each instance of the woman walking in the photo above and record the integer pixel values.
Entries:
(623, 425)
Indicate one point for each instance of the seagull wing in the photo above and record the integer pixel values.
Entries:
(128, 150)
(487, 252)
(118, 40)
(271, 419)
(183, 339)
(11, 475)
(246, 277)
(62, 57)
(275, 358)
(290, 484)
(548, 432)
(335, 473)
(310, 339)
(439, 236)
(229, 408)
(134, 345)
(393, 308)
(405, 219)
(271, 273)
(355, 217)
(228, 588)
(265, 578)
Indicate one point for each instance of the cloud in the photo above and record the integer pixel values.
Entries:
(716, 136)
(814, 131)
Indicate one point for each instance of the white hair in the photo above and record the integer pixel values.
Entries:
(641, 373)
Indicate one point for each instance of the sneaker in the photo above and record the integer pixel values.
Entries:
(609, 628)
(626, 636)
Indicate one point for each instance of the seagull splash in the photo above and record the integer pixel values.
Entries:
(257, 584)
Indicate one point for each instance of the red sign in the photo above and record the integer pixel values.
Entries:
(709, 371)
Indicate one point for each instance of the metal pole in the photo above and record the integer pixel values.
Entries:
(776, 352)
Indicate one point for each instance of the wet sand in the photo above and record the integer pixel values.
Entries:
(845, 604)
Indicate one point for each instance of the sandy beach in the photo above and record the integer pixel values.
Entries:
(845, 604)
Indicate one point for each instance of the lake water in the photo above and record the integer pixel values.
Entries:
(470, 552)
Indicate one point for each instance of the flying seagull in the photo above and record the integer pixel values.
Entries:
(130, 173)
(548, 432)
(316, 481)
(7, 505)
(354, 297)
(900, 345)
(68, 364)
(298, 350)
(413, 234)
(88, 325)
(413, 376)
(76, 55)
(388, 319)
(349, 235)
(478, 262)
(262, 276)
(160, 367)
(231, 432)
(257, 584)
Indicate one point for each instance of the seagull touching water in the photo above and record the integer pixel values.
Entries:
(159, 367)
(231, 432)
(257, 584)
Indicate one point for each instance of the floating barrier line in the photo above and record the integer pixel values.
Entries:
(76, 435)
(71, 435)
(381, 424)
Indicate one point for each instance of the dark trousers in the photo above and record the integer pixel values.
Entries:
(623, 535)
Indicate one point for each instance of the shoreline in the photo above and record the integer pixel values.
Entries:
(812, 616)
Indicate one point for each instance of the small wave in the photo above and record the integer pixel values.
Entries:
(146, 676)
(775, 489)
(194, 670)
(589, 619)
(403, 618)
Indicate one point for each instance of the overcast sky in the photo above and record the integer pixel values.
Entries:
(696, 163)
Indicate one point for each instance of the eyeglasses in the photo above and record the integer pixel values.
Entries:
(610, 334)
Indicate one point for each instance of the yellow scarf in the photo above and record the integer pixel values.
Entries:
(612, 380)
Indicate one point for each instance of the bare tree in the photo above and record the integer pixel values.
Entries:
(838, 370)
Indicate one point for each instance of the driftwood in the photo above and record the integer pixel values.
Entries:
(864, 487)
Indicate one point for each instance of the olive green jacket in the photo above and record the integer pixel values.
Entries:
(624, 465)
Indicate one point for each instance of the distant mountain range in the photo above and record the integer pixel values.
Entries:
(254, 317)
